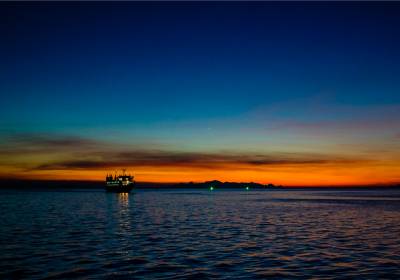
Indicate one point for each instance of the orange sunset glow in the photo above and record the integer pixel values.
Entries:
(57, 158)
(307, 175)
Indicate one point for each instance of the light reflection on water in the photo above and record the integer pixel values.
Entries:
(123, 199)
(193, 233)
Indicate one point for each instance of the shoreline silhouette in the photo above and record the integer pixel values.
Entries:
(20, 184)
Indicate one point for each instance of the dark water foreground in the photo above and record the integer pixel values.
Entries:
(200, 234)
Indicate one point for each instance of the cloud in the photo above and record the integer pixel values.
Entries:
(308, 116)
(345, 125)
(87, 154)
(158, 158)
(42, 143)
(56, 141)
(58, 157)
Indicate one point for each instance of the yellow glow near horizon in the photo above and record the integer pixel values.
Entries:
(78, 159)
(288, 175)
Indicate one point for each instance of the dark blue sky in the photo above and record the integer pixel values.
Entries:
(75, 63)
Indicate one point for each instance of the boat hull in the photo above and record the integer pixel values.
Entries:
(119, 189)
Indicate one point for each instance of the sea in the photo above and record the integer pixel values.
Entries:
(200, 234)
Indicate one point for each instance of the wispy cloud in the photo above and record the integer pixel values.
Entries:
(42, 143)
(312, 116)
(48, 156)
(193, 160)
(80, 153)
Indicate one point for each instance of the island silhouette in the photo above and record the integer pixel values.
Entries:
(19, 184)
(215, 184)
(74, 184)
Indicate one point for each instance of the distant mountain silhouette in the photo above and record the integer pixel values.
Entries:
(215, 184)
(18, 184)
(65, 184)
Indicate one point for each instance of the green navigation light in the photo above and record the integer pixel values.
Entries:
(211, 188)
(247, 188)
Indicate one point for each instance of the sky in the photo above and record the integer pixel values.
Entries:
(286, 93)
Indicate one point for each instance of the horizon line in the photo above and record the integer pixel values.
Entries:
(380, 185)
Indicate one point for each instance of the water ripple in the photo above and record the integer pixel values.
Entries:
(200, 234)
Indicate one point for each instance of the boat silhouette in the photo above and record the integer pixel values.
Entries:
(119, 182)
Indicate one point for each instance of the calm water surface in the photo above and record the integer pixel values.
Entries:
(198, 234)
